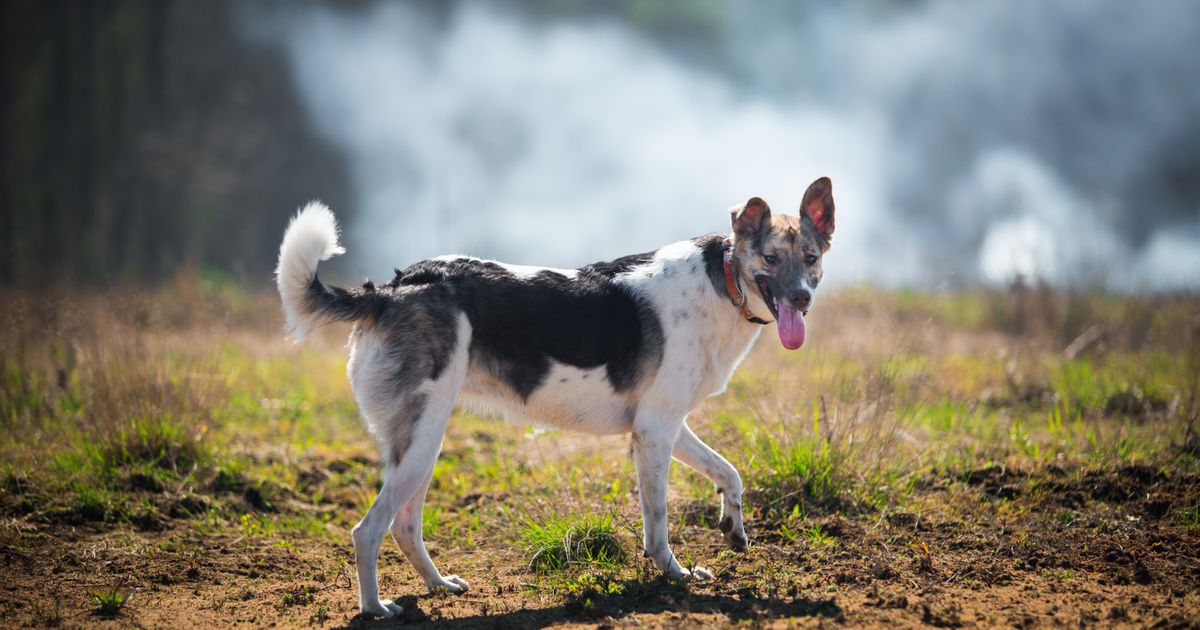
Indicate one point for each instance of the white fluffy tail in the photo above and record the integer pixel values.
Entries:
(312, 236)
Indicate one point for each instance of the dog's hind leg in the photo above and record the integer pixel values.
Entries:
(406, 530)
(690, 450)
(401, 482)
(410, 427)
(406, 526)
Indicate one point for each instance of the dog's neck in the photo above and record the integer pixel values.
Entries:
(737, 296)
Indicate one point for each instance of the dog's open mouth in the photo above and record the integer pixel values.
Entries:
(789, 320)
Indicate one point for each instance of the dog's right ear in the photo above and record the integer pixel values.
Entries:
(750, 217)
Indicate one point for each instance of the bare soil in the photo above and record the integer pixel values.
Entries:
(984, 547)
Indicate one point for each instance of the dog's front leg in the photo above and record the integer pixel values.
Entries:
(690, 450)
(652, 453)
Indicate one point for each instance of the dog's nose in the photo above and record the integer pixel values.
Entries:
(801, 299)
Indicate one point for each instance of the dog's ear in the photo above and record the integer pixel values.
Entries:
(750, 217)
(818, 206)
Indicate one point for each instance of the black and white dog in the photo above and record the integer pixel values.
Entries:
(627, 346)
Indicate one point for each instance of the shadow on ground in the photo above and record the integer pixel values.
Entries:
(637, 597)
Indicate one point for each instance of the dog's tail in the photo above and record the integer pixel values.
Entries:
(312, 236)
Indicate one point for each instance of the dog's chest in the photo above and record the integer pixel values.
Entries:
(704, 338)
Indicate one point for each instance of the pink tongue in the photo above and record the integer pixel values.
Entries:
(791, 326)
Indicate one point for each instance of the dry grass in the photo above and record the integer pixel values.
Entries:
(918, 439)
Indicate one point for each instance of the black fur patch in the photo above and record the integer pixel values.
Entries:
(520, 324)
(712, 247)
(619, 266)
(400, 428)
(341, 304)
(421, 332)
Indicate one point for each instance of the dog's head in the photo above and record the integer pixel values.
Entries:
(778, 257)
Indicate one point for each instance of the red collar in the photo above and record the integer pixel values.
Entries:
(735, 292)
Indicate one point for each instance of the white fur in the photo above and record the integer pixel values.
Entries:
(400, 502)
(520, 271)
(704, 340)
(572, 398)
(311, 236)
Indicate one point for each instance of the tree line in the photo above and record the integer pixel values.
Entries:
(144, 138)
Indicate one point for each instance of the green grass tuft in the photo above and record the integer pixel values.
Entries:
(572, 540)
(297, 596)
(109, 603)
(158, 442)
(786, 478)
(818, 537)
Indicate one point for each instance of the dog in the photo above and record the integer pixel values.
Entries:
(629, 346)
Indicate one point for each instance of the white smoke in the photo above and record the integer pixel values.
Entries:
(563, 142)
(1033, 226)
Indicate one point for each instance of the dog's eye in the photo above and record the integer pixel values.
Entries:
(770, 259)
(810, 260)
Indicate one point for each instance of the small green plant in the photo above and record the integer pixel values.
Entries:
(321, 615)
(787, 533)
(818, 537)
(431, 521)
(1021, 439)
(573, 540)
(158, 441)
(49, 615)
(297, 596)
(109, 603)
(95, 503)
(1190, 518)
(594, 584)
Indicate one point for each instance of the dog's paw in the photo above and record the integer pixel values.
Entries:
(737, 541)
(697, 574)
(735, 537)
(386, 609)
(451, 584)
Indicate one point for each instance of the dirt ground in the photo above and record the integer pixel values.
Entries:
(961, 556)
(918, 466)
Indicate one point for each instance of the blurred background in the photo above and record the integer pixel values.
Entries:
(969, 143)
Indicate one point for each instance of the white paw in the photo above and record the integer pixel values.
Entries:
(697, 574)
(452, 583)
(386, 609)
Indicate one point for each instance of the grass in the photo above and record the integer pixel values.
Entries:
(562, 542)
(109, 603)
(817, 537)
(297, 596)
(205, 433)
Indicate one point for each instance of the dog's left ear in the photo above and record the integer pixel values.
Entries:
(818, 205)
(750, 217)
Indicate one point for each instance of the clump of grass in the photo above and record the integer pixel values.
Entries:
(818, 537)
(297, 596)
(48, 615)
(573, 540)
(321, 615)
(790, 478)
(1190, 518)
(159, 442)
(96, 503)
(588, 595)
(109, 603)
